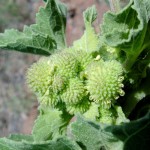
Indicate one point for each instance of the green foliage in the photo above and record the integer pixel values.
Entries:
(137, 95)
(94, 136)
(134, 134)
(127, 30)
(91, 136)
(50, 124)
(77, 77)
(47, 125)
(22, 142)
(102, 77)
(89, 42)
(43, 37)
(128, 136)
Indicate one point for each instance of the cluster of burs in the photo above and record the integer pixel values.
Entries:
(76, 80)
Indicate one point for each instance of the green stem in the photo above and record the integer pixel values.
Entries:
(132, 100)
(131, 58)
(130, 61)
(135, 96)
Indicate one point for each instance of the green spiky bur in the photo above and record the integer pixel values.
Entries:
(82, 107)
(40, 75)
(77, 79)
(66, 63)
(84, 58)
(59, 83)
(74, 92)
(104, 82)
(52, 77)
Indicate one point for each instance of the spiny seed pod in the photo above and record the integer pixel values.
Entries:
(104, 82)
(49, 98)
(83, 57)
(81, 107)
(39, 76)
(59, 83)
(67, 65)
(74, 92)
(57, 79)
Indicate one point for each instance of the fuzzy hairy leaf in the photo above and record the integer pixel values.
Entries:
(128, 136)
(48, 125)
(19, 142)
(127, 30)
(135, 135)
(89, 42)
(93, 136)
(47, 35)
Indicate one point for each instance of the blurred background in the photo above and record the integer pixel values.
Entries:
(18, 106)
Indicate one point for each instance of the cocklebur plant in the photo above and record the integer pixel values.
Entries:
(61, 80)
(88, 91)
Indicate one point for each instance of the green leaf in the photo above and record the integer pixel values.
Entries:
(21, 137)
(19, 143)
(90, 15)
(93, 136)
(47, 35)
(135, 134)
(48, 124)
(89, 42)
(92, 113)
(127, 31)
(127, 136)
(121, 118)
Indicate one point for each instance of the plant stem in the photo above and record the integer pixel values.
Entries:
(137, 95)
(114, 5)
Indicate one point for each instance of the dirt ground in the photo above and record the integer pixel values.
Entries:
(18, 106)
